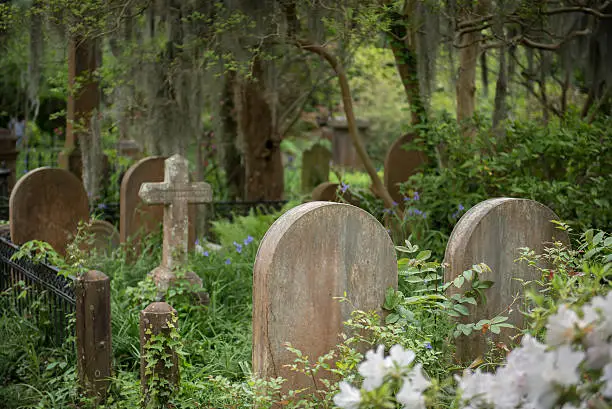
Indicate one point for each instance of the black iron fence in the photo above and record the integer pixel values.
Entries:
(38, 292)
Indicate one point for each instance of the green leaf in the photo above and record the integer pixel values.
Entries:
(454, 314)
(423, 255)
(392, 318)
(461, 309)
(592, 252)
(598, 237)
(499, 319)
(470, 300)
(608, 242)
(485, 284)
(468, 274)
(458, 282)
(495, 329)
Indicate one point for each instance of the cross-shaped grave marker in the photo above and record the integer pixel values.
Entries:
(175, 193)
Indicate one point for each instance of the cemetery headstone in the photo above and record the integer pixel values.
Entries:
(310, 255)
(315, 167)
(343, 150)
(175, 193)
(329, 192)
(138, 219)
(400, 164)
(104, 237)
(47, 204)
(492, 233)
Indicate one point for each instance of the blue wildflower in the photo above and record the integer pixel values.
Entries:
(394, 203)
(248, 240)
(197, 242)
(406, 199)
(205, 254)
(344, 187)
(239, 248)
(387, 210)
(461, 208)
(103, 206)
(416, 196)
(428, 346)
(228, 261)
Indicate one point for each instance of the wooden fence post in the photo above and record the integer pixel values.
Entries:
(93, 333)
(159, 369)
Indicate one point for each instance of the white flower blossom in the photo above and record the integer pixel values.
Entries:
(606, 376)
(374, 368)
(400, 356)
(561, 327)
(348, 398)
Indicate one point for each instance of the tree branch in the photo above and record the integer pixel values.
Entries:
(347, 102)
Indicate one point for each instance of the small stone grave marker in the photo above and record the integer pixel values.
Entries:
(47, 204)
(329, 192)
(310, 255)
(103, 235)
(315, 167)
(138, 219)
(175, 193)
(400, 164)
(492, 233)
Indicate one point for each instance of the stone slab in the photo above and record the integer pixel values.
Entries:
(315, 167)
(311, 254)
(492, 232)
(138, 219)
(400, 164)
(104, 237)
(47, 204)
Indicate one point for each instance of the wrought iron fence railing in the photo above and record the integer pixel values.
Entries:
(37, 292)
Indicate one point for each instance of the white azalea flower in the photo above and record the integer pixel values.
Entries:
(561, 327)
(374, 368)
(598, 350)
(417, 379)
(409, 397)
(475, 387)
(567, 361)
(400, 356)
(348, 398)
(606, 376)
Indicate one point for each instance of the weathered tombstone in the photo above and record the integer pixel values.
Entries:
(310, 255)
(138, 219)
(47, 204)
(343, 150)
(103, 237)
(329, 192)
(175, 193)
(400, 164)
(492, 232)
(8, 155)
(93, 333)
(315, 167)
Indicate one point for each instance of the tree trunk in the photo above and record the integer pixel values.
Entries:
(501, 90)
(484, 74)
(403, 45)
(466, 78)
(229, 153)
(264, 176)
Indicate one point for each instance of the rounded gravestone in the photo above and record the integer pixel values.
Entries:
(400, 164)
(103, 237)
(328, 192)
(315, 167)
(312, 254)
(47, 204)
(137, 219)
(492, 233)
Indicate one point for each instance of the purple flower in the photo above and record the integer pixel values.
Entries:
(406, 199)
(228, 261)
(394, 203)
(416, 196)
(344, 187)
(461, 208)
(387, 210)
(428, 346)
(205, 254)
(103, 206)
(238, 247)
(197, 242)
(248, 240)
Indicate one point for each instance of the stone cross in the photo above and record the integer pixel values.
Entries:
(175, 193)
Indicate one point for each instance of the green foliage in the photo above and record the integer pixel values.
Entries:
(565, 166)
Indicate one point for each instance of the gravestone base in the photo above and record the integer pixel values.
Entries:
(165, 278)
